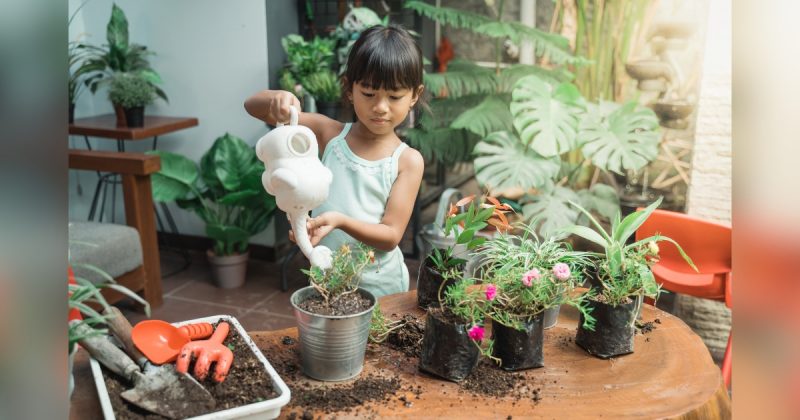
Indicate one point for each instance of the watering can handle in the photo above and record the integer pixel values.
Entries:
(444, 203)
(294, 117)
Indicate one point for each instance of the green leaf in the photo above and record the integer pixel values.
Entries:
(656, 238)
(602, 199)
(227, 234)
(175, 178)
(546, 119)
(503, 162)
(448, 15)
(489, 116)
(167, 189)
(117, 29)
(233, 159)
(465, 236)
(462, 78)
(549, 212)
(626, 139)
(632, 222)
(239, 198)
(586, 233)
(510, 75)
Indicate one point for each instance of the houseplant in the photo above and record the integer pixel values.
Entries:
(535, 137)
(324, 86)
(449, 262)
(118, 56)
(132, 92)
(333, 316)
(454, 332)
(86, 305)
(226, 193)
(621, 278)
(304, 59)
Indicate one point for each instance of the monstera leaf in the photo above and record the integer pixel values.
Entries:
(489, 116)
(601, 199)
(550, 211)
(626, 138)
(546, 118)
(503, 163)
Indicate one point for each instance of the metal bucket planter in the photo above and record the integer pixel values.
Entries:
(331, 347)
(446, 350)
(613, 332)
(517, 349)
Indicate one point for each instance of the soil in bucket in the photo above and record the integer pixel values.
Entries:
(517, 349)
(447, 351)
(428, 282)
(613, 332)
(346, 304)
(247, 382)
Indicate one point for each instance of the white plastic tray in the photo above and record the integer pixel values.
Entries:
(268, 409)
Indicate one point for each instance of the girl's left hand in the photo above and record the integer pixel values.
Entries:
(322, 225)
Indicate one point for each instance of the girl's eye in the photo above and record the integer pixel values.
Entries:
(395, 98)
(368, 94)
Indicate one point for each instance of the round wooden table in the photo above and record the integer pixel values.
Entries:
(670, 375)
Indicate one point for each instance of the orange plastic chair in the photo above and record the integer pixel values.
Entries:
(708, 244)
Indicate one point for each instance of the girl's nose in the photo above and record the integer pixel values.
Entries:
(381, 106)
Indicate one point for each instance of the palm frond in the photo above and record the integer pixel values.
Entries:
(489, 116)
(447, 15)
(461, 78)
(445, 145)
(443, 111)
(510, 75)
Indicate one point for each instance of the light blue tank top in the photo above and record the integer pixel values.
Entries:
(360, 189)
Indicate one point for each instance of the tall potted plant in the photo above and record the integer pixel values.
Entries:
(226, 193)
(132, 92)
(118, 56)
(333, 316)
(622, 277)
(324, 86)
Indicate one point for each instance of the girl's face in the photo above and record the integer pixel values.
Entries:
(382, 110)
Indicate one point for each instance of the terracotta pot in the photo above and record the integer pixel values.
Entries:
(120, 113)
(228, 271)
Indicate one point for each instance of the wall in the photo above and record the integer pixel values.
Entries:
(211, 56)
(709, 195)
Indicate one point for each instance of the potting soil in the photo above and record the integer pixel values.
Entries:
(247, 382)
(346, 304)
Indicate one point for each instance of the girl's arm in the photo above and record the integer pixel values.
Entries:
(272, 107)
(387, 234)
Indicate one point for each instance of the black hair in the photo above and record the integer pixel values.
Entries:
(384, 57)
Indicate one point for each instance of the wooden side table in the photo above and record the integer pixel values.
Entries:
(105, 126)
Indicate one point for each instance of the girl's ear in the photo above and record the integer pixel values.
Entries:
(347, 87)
(417, 94)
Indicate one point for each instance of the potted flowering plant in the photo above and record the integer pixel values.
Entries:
(454, 332)
(333, 316)
(445, 265)
(622, 277)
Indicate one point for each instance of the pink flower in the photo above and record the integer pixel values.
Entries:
(491, 292)
(476, 333)
(530, 276)
(561, 271)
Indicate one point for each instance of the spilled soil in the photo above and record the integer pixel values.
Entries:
(408, 338)
(247, 382)
(646, 327)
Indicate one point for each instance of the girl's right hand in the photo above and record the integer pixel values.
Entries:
(279, 106)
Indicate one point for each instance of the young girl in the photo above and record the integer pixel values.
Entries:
(376, 177)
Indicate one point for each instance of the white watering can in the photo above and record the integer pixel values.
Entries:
(294, 174)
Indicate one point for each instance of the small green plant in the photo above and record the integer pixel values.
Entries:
(324, 86)
(345, 273)
(530, 275)
(380, 328)
(306, 58)
(131, 90)
(86, 298)
(225, 192)
(469, 302)
(465, 225)
(623, 271)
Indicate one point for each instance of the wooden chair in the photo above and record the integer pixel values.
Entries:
(135, 170)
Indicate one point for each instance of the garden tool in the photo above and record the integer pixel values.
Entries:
(207, 351)
(162, 391)
(161, 341)
(297, 178)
